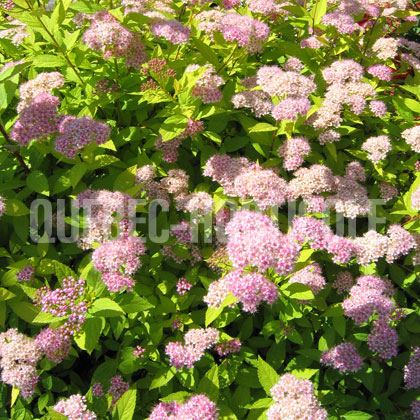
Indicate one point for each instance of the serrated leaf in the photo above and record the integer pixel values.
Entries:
(124, 408)
(15, 207)
(267, 376)
(162, 379)
(38, 182)
(106, 307)
(357, 415)
(209, 384)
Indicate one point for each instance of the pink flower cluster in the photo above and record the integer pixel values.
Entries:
(377, 148)
(25, 274)
(246, 180)
(76, 133)
(101, 207)
(54, 343)
(383, 340)
(139, 352)
(250, 289)
(37, 119)
(207, 86)
(258, 101)
(117, 385)
(320, 236)
(182, 232)
(183, 286)
(197, 407)
(415, 199)
(2, 205)
(254, 240)
(43, 83)
(310, 276)
(380, 71)
(343, 357)
(197, 341)
(293, 151)
(295, 399)
(19, 355)
(373, 295)
(387, 191)
(117, 389)
(172, 30)
(277, 82)
(66, 301)
(412, 137)
(412, 370)
(372, 245)
(370, 294)
(344, 282)
(345, 88)
(75, 408)
(343, 22)
(231, 346)
(248, 32)
(108, 36)
(117, 260)
(415, 409)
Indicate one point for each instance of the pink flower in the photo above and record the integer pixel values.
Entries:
(412, 370)
(172, 30)
(343, 357)
(76, 133)
(74, 408)
(293, 151)
(54, 343)
(295, 399)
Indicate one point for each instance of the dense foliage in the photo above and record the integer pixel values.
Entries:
(209, 209)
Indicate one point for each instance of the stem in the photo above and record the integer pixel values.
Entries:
(413, 219)
(313, 21)
(118, 103)
(227, 61)
(16, 153)
(177, 52)
(58, 46)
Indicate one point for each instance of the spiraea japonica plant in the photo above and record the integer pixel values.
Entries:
(209, 209)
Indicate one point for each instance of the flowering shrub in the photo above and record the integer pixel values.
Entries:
(209, 210)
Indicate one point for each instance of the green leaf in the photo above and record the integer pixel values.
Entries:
(173, 127)
(267, 376)
(132, 303)
(339, 324)
(24, 310)
(59, 13)
(412, 104)
(213, 313)
(318, 11)
(91, 331)
(62, 271)
(357, 415)
(262, 127)
(45, 318)
(15, 207)
(38, 182)
(206, 51)
(48, 60)
(76, 173)
(15, 395)
(106, 307)
(298, 291)
(5, 294)
(304, 373)
(162, 378)
(209, 385)
(124, 408)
